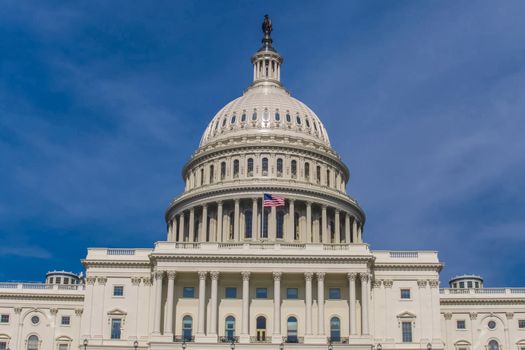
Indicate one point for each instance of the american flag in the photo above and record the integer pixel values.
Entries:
(272, 201)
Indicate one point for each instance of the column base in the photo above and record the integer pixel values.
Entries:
(315, 339)
(277, 338)
(244, 339)
(206, 339)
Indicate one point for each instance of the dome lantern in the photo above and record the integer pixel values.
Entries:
(267, 61)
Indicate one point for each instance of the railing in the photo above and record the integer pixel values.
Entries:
(231, 245)
(7, 285)
(339, 340)
(36, 286)
(120, 251)
(336, 246)
(183, 339)
(40, 286)
(68, 286)
(261, 340)
(489, 291)
(404, 255)
(229, 339)
(188, 245)
(293, 340)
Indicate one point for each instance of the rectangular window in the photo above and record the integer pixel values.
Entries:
(476, 284)
(405, 293)
(521, 323)
(188, 292)
(115, 328)
(3, 345)
(66, 280)
(4, 318)
(407, 332)
(231, 293)
(334, 293)
(118, 291)
(261, 293)
(63, 347)
(292, 293)
(58, 280)
(460, 324)
(461, 284)
(65, 321)
(469, 284)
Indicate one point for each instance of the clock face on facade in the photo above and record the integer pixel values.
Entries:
(35, 319)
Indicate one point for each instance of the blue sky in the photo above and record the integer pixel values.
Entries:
(102, 102)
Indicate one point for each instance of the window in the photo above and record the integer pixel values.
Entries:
(521, 323)
(493, 345)
(66, 280)
(279, 167)
(291, 327)
(476, 284)
(296, 228)
(224, 122)
(328, 177)
(3, 345)
(307, 122)
(232, 231)
(4, 318)
(265, 223)
(188, 292)
(298, 120)
(65, 320)
(469, 284)
(335, 329)
(264, 165)
(233, 120)
(248, 224)
(229, 328)
(58, 280)
(294, 169)
(318, 174)
(277, 116)
(491, 324)
(292, 293)
(187, 327)
(118, 291)
(280, 224)
(35, 319)
(202, 177)
(288, 118)
(51, 280)
(212, 171)
(261, 293)
(243, 117)
(405, 293)
(254, 115)
(334, 293)
(260, 324)
(307, 171)
(223, 170)
(231, 292)
(250, 167)
(407, 332)
(33, 342)
(236, 168)
(461, 284)
(460, 324)
(116, 323)
(60, 347)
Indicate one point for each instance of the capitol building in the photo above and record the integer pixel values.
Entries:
(264, 249)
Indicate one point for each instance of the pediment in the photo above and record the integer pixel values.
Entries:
(406, 314)
(117, 312)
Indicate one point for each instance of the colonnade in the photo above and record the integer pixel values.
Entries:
(239, 220)
(161, 277)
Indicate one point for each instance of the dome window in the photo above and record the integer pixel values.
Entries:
(236, 168)
(216, 124)
(223, 170)
(243, 117)
(254, 115)
(294, 169)
(233, 119)
(307, 122)
(298, 120)
(307, 171)
(277, 116)
(212, 173)
(224, 122)
(315, 126)
(279, 167)
(318, 174)
(288, 118)
(264, 165)
(250, 167)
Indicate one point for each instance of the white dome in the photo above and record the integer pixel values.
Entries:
(265, 109)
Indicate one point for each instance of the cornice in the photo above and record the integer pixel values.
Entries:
(37, 296)
(117, 263)
(437, 267)
(484, 301)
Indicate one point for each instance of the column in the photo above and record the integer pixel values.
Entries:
(320, 302)
(337, 227)
(219, 222)
(204, 223)
(347, 228)
(272, 224)
(170, 229)
(158, 303)
(365, 297)
(291, 217)
(202, 297)
(308, 222)
(360, 233)
(351, 302)
(245, 305)
(277, 306)
(213, 314)
(168, 327)
(191, 234)
(174, 229)
(181, 227)
(308, 301)
(354, 230)
(236, 222)
(324, 226)
(255, 234)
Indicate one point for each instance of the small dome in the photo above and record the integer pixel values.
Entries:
(262, 110)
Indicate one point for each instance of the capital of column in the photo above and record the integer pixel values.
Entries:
(337, 211)
(255, 199)
(365, 276)
(91, 280)
(214, 275)
(158, 275)
(308, 276)
(291, 200)
(388, 283)
(433, 283)
(202, 275)
(237, 200)
(324, 206)
(171, 275)
(309, 203)
(277, 275)
(245, 275)
(352, 276)
(219, 203)
(421, 283)
(205, 205)
(320, 276)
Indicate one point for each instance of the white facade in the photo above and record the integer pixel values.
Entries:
(232, 273)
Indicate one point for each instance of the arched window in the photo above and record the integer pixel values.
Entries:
(250, 167)
(33, 342)
(307, 121)
(315, 125)
(243, 117)
(288, 118)
(202, 177)
(233, 119)
(187, 328)
(307, 171)
(264, 164)
(224, 121)
(236, 168)
(277, 116)
(254, 115)
(261, 328)
(223, 170)
(296, 227)
(230, 234)
(265, 223)
(294, 169)
(328, 177)
(279, 167)
(229, 328)
(318, 174)
(298, 120)
(248, 224)
(335, 329)
(280, 224)
(291, 335)
(212, 173)
(493, 345)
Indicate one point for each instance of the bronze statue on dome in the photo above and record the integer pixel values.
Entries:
(267, 25)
